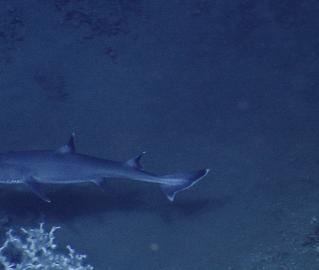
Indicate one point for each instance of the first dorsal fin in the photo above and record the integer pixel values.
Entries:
(68, 148)
(135, 162)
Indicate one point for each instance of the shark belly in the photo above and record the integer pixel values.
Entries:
(63, 174)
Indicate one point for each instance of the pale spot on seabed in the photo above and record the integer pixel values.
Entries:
(154, 247)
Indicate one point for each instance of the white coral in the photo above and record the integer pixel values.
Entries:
(37, 251)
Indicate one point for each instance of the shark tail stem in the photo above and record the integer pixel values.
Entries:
(181, 181)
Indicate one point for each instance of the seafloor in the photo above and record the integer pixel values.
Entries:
(231, 85)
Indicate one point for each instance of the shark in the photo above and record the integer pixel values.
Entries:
(37, 168)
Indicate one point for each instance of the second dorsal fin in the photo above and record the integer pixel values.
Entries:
(135, 162)
(68, 148)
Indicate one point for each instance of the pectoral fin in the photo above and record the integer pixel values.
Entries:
(37, 189)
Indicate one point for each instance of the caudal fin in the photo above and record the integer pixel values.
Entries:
(181, 181)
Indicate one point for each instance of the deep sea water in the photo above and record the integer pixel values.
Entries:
(231, 85)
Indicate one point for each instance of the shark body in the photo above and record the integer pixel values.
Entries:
(65, 166)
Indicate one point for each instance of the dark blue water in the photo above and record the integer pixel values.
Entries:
(231, 85)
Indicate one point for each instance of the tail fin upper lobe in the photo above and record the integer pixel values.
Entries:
(181, 181)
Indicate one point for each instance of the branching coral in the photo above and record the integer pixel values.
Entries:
(35, 249)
